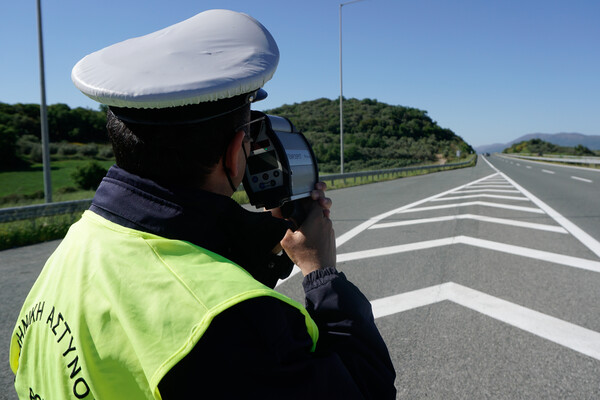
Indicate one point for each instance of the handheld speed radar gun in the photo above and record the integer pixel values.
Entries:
(281, 166)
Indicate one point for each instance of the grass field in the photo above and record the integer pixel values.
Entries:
(30, 181)
(21, 233)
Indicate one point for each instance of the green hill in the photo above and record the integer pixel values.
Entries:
(376, 135)
(541, 147)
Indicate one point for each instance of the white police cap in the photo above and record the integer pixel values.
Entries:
(215, 55)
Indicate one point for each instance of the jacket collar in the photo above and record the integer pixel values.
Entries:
(209, 220)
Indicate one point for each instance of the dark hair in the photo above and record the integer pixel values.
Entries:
(175, 153)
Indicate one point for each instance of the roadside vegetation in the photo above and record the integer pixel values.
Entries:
(376, 136)
(26, 232)
(538, 147)
(558, 154)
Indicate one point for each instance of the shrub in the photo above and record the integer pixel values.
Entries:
(22, 233)
(106, 152)
(19, 198)
(66, 189)
(26, 143)
(89, 176)
(36, 154)
(88, 150)
(66, 149)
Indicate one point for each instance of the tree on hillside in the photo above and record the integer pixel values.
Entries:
(376, 135)
(8, 147)
(581, 150)
(541, 147)
(64, 123)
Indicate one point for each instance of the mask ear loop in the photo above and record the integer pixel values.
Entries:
(233, 188)
(246, 137)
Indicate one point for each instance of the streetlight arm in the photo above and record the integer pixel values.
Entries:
(350, 2)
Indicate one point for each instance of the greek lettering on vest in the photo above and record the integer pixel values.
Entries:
(60, 328)
(34, 315)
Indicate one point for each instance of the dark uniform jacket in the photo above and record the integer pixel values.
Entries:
(258, 349)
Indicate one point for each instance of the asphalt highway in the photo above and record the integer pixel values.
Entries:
(484, 281)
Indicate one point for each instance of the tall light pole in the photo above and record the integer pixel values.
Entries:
(342, 92)
(43, 114)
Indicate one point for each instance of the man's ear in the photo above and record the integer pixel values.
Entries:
(233, 156)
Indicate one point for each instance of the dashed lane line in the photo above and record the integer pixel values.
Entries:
(574, 337)
(582, 179)
(548, 172)
(502, 158)
(504, 221)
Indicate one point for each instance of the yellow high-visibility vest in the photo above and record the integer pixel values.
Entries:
(114, 309)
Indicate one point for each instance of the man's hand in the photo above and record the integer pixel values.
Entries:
(312, 246)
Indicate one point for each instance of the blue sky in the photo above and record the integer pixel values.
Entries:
(489, 70)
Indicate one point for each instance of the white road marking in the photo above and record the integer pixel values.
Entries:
(574, 337)
(528, 166)
(491, 196)
(575, 262)
(581, 179)
(371, 221)
(401, 248)
(504, 221)
(487, 190)
(488, 186)
(582, 236)
(555, 165)
(474, 203)
(548, 172)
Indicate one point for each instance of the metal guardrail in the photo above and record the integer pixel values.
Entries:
(66, 207)
(381, 172)
(43, 210)
(563, 159)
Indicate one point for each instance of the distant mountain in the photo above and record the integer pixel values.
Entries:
(491, 148)
(592, 142)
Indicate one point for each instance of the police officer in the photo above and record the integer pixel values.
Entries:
(164, 288)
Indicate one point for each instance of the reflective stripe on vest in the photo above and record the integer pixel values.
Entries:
(114, 309)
